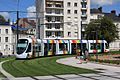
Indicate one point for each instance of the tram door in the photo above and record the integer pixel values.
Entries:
(75, 46)
(63, 48)
(49, 49)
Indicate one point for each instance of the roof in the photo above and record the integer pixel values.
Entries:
(112, 16)
(94, 11)
(19, 28)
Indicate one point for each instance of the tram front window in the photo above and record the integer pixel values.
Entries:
(21, 46)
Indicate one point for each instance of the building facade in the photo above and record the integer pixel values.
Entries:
(7, 40)
(62, 18)
(8, 35)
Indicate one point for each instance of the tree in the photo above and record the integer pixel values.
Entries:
(2, 20)
(103, 28)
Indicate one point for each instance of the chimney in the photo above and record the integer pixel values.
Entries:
(113, 12)
(100, 9)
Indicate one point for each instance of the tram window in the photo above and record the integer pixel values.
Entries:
(98, 46)
(92, 46)
(50, 46)
(29, 48)
(84, 45)
(107, 46)
(62, 47)
(38, 47)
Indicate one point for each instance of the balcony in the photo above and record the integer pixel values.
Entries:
(85, 1)
(57, 5)
(84, 8)
(84, 15)
(54, 14)
(84, 22)
(54, 29)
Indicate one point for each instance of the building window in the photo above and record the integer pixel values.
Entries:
(49, 26)
(57, 26)
(69, 34)
(48, 19)
(75, 11)
(99, 16)
(6, 47)
(0, 39)
(6, 39)
(75, 18)
(68, 4)
(84, 12)
(57, 19)
(84, 5)
(69, 18)
(57, 11)
(68, 11)
(49, 11)
(75, 4)
(76, 34)
(48, 34)
(6, 31)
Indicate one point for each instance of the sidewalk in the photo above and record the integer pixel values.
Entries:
(90, 65)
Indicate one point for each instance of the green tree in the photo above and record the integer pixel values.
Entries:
(2, 20)
(103, 28)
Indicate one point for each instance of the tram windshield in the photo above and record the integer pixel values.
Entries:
(21, 45)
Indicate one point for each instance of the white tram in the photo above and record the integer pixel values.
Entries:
(31, 48)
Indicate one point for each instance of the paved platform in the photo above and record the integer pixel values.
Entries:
(107, 72)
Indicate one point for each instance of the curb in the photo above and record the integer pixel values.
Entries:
(9, 76)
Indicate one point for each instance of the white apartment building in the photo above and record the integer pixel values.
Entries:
(7, 40)
(62, 18)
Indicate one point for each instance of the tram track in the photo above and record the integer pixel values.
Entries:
(23, 71)
(44, 67)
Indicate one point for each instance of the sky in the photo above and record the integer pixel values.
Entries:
(28, 6)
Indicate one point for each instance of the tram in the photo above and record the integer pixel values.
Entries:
(31, 48)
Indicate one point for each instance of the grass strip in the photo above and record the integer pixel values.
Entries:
(41, 67)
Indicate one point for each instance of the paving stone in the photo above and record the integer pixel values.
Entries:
(109, 73)
(24, 78)
(104, 78)
(118, 76)
(68, 76)
(90, 75)
(80, 78)
(3, 79)
(45, 77)
(73, 77)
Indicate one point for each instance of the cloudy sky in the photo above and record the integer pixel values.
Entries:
(28, 5)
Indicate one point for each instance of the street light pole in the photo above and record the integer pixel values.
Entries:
(96, 46)
(81, 38)
(38, 25)
(17, 19)
(17, 25)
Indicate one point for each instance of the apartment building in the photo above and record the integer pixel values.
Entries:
(62, 18)
(8, 36)
(7, 40)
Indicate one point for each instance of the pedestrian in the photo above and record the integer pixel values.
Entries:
(81, 57)
(86, 55)
(77, 53)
